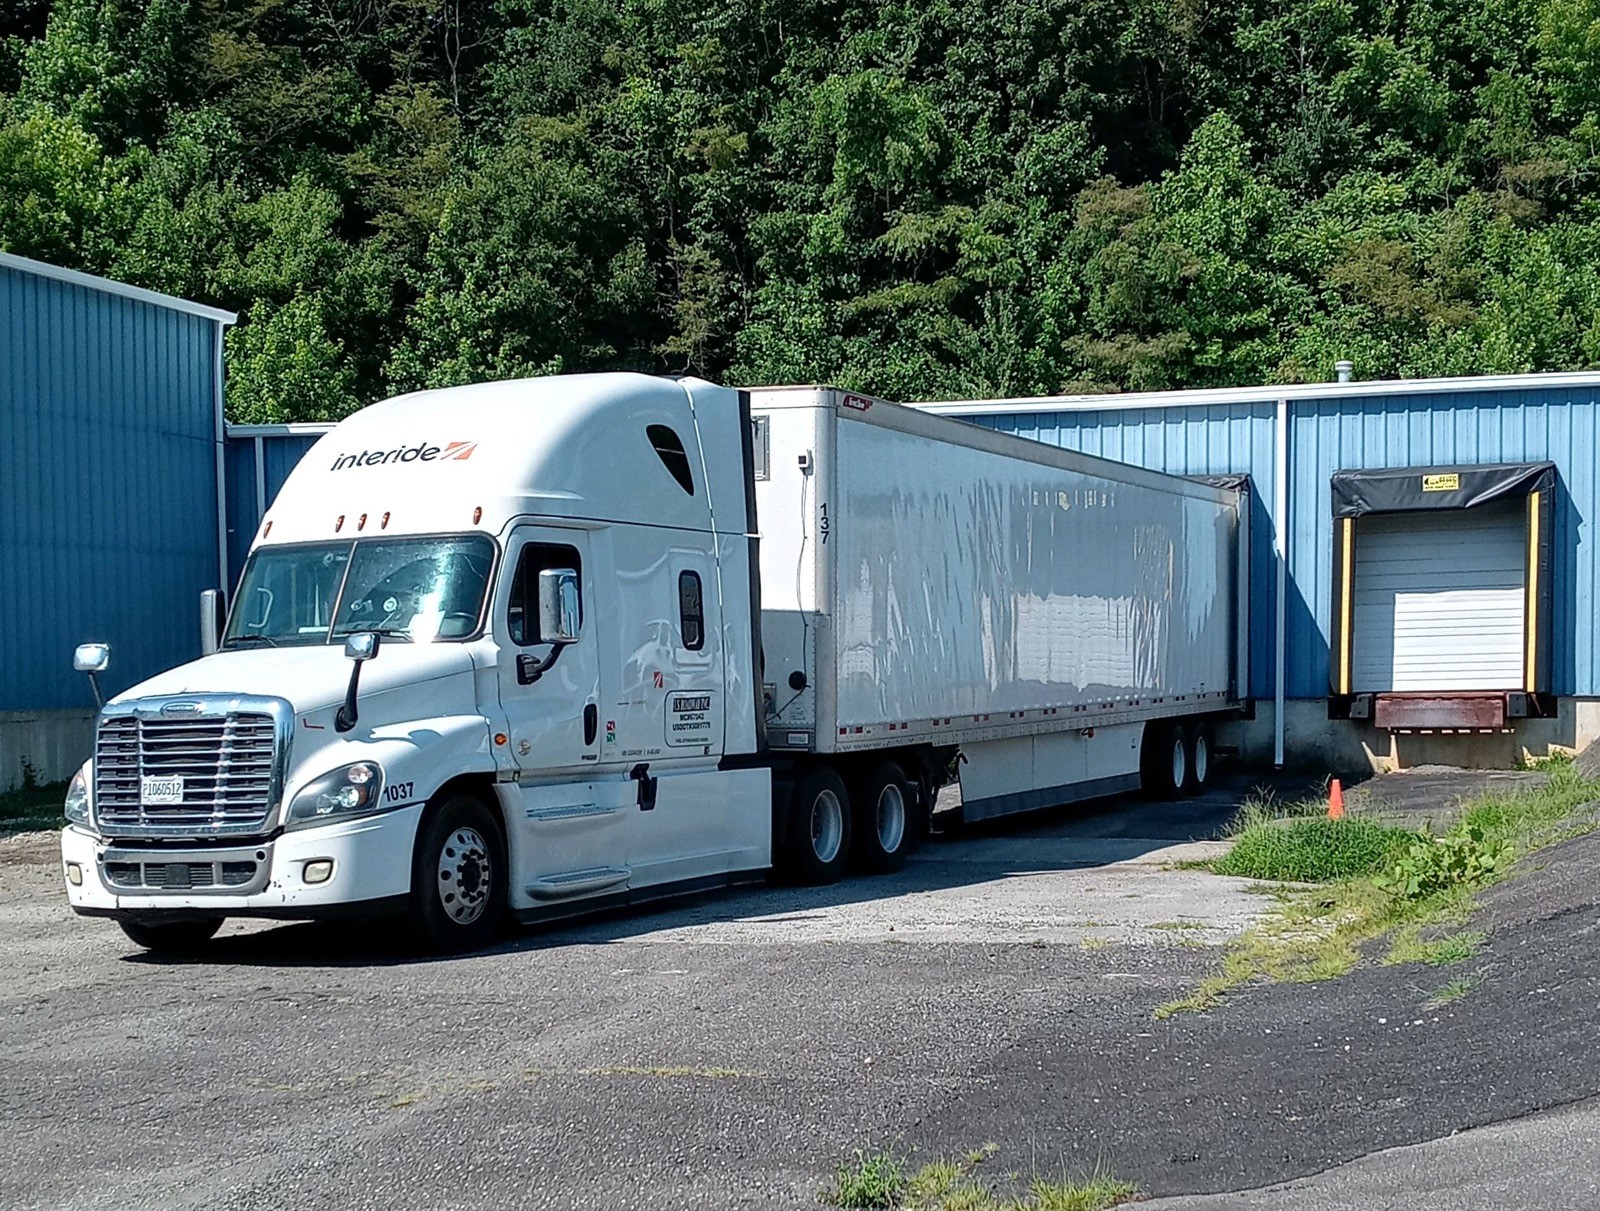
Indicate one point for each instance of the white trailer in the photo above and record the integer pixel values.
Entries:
(934, 586)
(539, 647)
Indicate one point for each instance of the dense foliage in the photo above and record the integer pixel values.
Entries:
(916, 197)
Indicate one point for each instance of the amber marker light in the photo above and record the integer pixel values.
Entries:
(477, 515)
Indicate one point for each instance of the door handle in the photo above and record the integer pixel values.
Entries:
(647, 787)
(591, 723)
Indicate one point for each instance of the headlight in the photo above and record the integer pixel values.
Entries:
(76, 808)
(355, 790)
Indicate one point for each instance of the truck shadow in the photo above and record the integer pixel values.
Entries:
(1074, 837)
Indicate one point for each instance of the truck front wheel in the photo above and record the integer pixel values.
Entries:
(458, 877)
(886, 824)
(172, 937)
(816, 835)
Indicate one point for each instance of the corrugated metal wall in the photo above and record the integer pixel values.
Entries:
(108, 509)
(1529, 424)
(1524, 425)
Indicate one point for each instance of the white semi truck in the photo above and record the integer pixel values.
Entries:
(533, 648)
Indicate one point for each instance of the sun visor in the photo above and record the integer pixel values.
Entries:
(1405, 489)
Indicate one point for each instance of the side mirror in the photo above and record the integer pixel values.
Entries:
(91, 657)
(361, 645)
(213, 617)
(559, 609)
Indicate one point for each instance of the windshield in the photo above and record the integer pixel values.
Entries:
(416, 589)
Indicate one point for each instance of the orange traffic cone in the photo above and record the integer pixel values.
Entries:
(1335, 800)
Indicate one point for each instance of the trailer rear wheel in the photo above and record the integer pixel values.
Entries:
(816, 841)
(1165, 760)
(1199, 759)
(886, 818)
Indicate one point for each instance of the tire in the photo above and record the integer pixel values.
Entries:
(888, 821)
(1165, 760)
(458, 877)
(172, 937)
(817, 827)
(1201, 759)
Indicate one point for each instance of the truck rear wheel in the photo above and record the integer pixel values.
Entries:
(886, 824)
(458, 877)
(816, 840)
(172, 937)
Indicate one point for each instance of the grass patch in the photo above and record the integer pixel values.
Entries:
(880, 1180)
(32, 805)
(1452, 992)
(871, 1179)
(1315, 850)
(1406, 945)
(1424, 884)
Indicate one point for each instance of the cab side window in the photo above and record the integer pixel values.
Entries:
(522, 609)
(691, 611)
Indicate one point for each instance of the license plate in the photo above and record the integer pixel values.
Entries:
(158, 792)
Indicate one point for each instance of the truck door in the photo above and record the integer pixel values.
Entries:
(571, 839)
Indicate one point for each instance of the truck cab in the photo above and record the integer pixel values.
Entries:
(492, 648)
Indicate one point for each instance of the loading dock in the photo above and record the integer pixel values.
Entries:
(1442, 589)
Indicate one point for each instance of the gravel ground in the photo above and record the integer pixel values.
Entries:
(731, 1051)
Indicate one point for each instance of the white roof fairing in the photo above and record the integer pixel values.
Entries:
(571, 446)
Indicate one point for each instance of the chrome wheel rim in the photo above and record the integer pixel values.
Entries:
(891, 818)
(465, 876)
(1180, 763)
(827, 826)
(1202, 760)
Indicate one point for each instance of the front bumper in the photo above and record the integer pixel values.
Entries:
(371, 860)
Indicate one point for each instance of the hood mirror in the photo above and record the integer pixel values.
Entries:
(213, 619)
(93, 659)
(359, 647)
(363, 645)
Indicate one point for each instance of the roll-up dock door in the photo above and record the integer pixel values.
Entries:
(1441, 605)
(1439, 601)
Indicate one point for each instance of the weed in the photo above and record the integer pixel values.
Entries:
(1311, 850)
(1094, 943)
(1095, 1194)
(1428, 865)
(1452, 992)
(873, 1179)
(1176, 925)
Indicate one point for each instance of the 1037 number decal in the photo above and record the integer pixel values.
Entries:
(397, 792)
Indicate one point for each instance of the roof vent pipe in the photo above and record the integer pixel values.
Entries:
(1343, 369)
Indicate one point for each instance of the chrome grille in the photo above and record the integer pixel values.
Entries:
(229, 757)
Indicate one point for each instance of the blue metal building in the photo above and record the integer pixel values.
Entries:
(1290, 441)
(110, 495)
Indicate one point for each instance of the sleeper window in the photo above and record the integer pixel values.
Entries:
(522, 609)
(691, 612)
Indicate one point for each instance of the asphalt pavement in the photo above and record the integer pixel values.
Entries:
(730, 1052)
